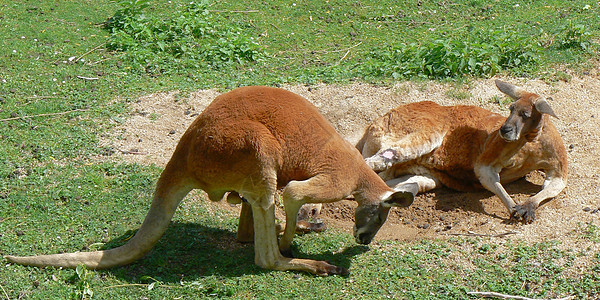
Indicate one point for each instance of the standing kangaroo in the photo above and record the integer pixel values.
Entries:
(467, 147)
(249, 142)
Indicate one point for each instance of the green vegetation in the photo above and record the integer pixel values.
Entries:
(84, 61)
(487, 55)
(194, 39)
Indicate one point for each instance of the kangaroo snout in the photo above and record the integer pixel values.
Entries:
(363, 238)
(509, 133)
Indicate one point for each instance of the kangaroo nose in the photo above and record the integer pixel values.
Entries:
(504, 130)
(364, 238)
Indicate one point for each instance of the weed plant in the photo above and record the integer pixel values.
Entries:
(573, 36)
(483, 56)
(194, 37)
(190, 39)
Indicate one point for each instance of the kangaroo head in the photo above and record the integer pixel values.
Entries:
(370, 217)
(525, 113)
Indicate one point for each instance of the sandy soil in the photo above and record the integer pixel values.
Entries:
(158, 121)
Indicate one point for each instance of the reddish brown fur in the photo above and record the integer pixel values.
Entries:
(468, 128)
(469, 148)
(252, 130)
(250, 142)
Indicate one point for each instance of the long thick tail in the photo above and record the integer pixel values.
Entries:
(169, 192)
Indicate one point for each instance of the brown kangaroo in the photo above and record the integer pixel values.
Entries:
(249, 142)
(467, 147)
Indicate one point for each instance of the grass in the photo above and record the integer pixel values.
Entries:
(54, 196)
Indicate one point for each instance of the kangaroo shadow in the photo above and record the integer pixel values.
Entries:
(192, 251)
(448, 199)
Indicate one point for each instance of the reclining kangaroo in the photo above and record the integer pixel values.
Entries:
(249, 142)
(466, 147)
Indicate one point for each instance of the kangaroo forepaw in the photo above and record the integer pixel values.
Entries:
(382, 161)
(377, 164)
(524, 213)
(305, 226)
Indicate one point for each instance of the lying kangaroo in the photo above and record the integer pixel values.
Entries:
(249, 142)
(466, 147)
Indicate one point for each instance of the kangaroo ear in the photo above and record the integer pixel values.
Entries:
(510, 90)
(399, 199)
(543, 106)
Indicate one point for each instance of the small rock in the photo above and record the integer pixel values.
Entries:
(571, 146)
(172, 132)
(20, 233)
(587, 209)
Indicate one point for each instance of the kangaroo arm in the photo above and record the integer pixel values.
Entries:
(489, 177)
(551, 188)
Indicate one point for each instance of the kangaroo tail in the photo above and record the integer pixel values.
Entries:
(169, 192)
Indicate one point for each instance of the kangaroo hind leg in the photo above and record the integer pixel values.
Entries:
(403, 149)
(266, 250)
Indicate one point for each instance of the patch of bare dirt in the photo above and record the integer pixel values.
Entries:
(158, 121)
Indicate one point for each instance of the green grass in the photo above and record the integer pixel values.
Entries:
(54, 198)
